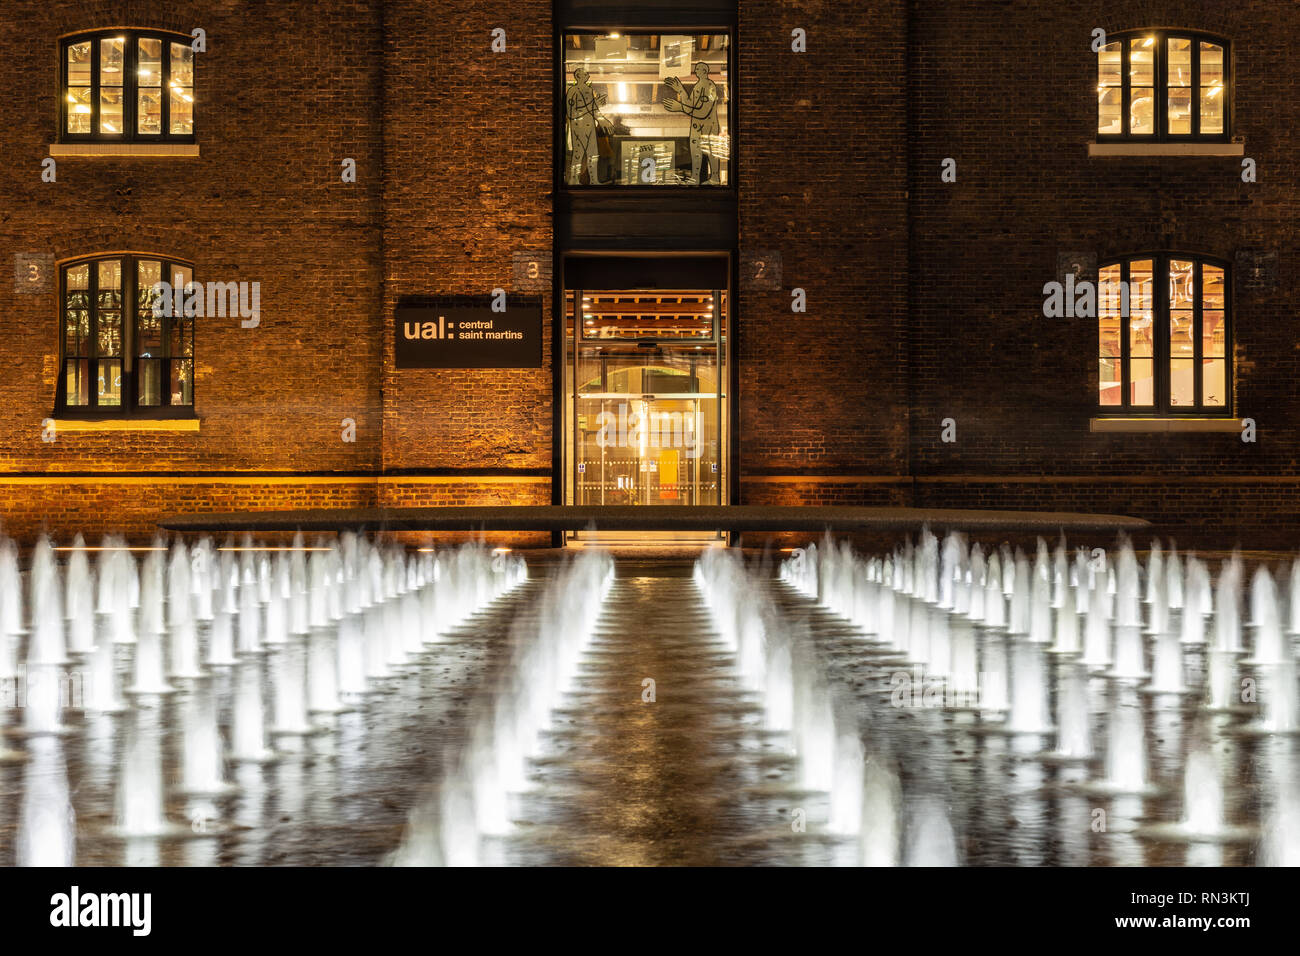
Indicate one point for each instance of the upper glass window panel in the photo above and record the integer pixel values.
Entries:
(646, 109)
(1163, 85)
(127, 86)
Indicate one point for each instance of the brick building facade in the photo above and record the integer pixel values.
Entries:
(924, 296)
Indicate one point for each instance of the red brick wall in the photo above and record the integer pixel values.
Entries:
(1008, 90)
(822, 147)
(282, 97)
(467, 158)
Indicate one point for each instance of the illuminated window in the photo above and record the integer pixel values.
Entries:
(122, 349)
(646, 109)
(128, 86)
(1163, 336)
(1161, 85)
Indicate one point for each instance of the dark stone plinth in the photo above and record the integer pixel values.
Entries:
(739, 518)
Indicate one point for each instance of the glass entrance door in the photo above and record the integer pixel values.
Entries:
(646, 397)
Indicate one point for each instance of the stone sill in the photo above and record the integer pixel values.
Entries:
(1103, 150)
(125, 150)
(126, 425)
(1147, 425)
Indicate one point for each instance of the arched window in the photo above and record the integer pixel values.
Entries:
(1163, 85)
(1164, 336)
(128, 86)
(120, 354)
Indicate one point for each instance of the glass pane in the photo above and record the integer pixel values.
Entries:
(1108, 283)
(149, 377)
(110, 382)
(1110, 306)
(1214, 383)
(76, 332)
(658, 314)
(1211, 64)
(1182, 284)
(79, 92)
(1180, 111)
(79, 64)
(182, 382)
(1110, 64)
(77, 381)
(79, 109)
(110, 111)
(182, 65)
(109, 333)
(1109, 346)
(1142, 61)
(1142, 382)
(1213, 335)
(112, 61)
(150, 62)
(1181, 334)
(78, 285)
(1182, 382)
(1212, 287)
(149, 112)
(149, 337)
(1110, 383)
(1142, 111)
(182, 89)
(1141, 309)
(148, 272)
(110, 283)
(178, 337)
(1180, 61)
(182, 107)
(1212, 109)
(1110, 111)
(182, 277)
(646, 109)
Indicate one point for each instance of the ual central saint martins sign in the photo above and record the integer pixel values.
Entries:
(468, 332)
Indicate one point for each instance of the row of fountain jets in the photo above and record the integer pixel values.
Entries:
(509, 720)
(315, 629)
(1032, 648)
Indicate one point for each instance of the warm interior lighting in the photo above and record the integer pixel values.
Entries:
(109, 549)
(1148, 41)
(82, 109)
(266, 548)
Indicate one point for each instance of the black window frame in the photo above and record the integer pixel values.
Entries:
(130, 406)
(629, 189)
(130, 87)
(1161, 132)
(1161, 407)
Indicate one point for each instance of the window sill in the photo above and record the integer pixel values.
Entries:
(1103, 150)
(126, 425)
(137, 150)
(1148, 425)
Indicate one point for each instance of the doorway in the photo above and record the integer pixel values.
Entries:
(645, 404)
